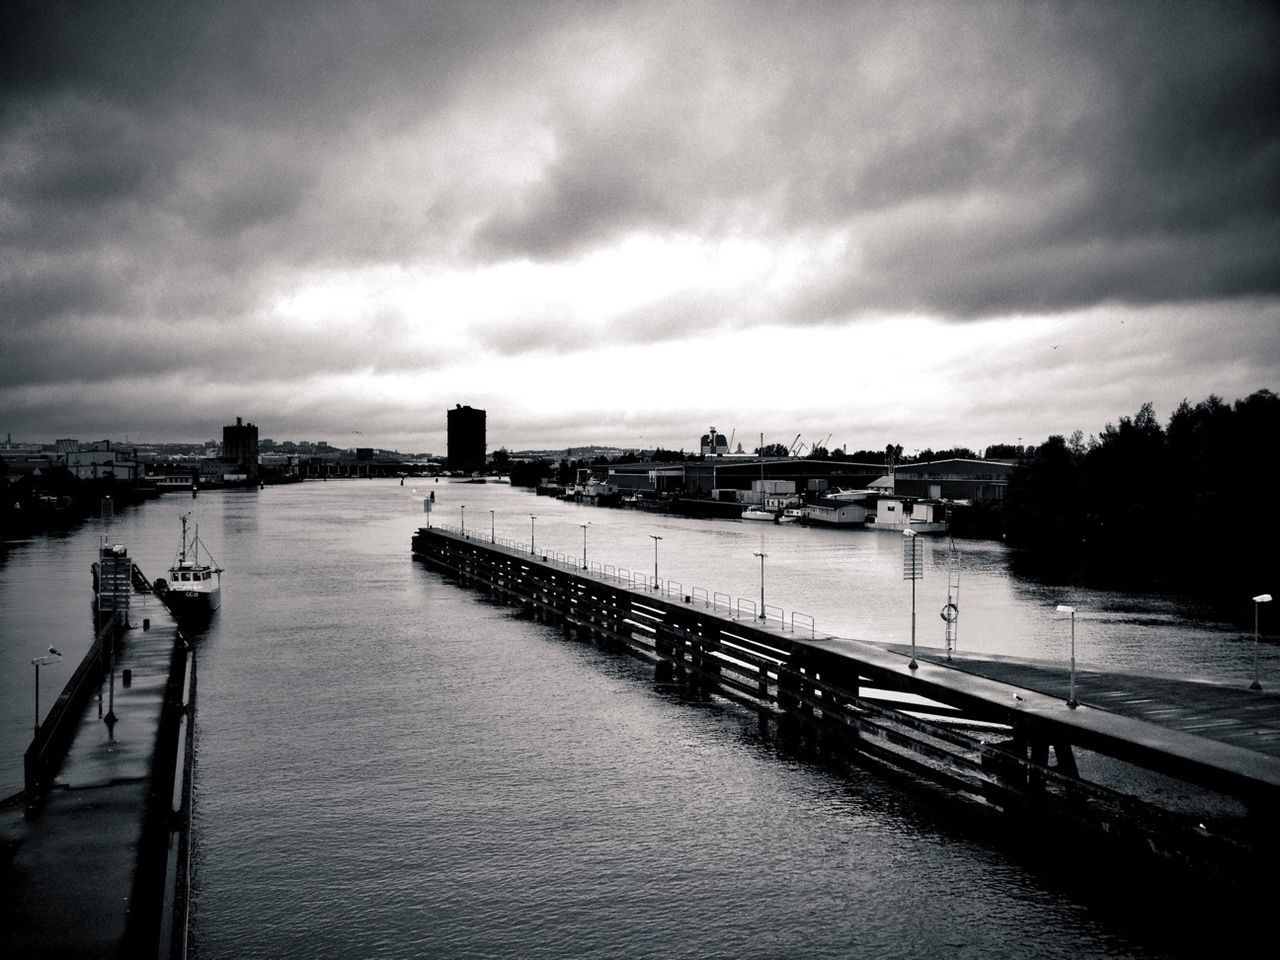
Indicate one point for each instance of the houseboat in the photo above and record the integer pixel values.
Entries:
(900, 513)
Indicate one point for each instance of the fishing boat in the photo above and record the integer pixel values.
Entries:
(194, 588)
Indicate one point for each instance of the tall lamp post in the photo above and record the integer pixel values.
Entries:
(655, 538)
(1257, 601)
(1072, 702)
(761, 555)
(584, 543)
(532, 549)
(464, 520)
(493, 533)
(913, 570)
(38, 662)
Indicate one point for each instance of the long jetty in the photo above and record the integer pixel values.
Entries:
(94, 853)
(996, 731)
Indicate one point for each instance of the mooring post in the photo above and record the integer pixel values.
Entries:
(1066, 759)
(788, 687)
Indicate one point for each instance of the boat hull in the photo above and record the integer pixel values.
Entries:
(192, 604)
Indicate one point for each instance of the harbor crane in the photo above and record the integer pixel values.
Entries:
(792, 449)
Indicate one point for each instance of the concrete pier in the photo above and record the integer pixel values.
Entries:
(1000, 736)
(89, 857)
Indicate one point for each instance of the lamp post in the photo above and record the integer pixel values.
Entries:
(39, 662)
(532, 549)
(1257, 601)
(761, 555)
(493, 534)
(584, 543)
(655, 538)
(913, 570)
(464, 520)
(1072, 702)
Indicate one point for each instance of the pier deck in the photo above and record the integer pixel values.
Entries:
(1233, 715)
(69, 862)
(1209, 734)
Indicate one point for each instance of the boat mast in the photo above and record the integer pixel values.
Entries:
(182, 551)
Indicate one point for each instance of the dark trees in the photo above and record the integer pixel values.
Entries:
(1190, 506)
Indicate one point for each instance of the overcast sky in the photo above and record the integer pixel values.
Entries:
(932, 224)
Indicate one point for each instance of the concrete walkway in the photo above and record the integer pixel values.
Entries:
(1217, 736)
(1227, 714)
(67, 867)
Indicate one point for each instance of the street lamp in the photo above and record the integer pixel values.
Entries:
(464, 521)
(761, 556)
(655, 538)
(39, 662)
(493, 536)
(532, 551)
(1072, 702)
(584, 543)
(1257, 601)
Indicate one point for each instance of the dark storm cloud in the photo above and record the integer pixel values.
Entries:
(170, 171)
(198, 137)
(984, 159)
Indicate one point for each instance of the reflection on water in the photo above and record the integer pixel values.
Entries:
(390, 766)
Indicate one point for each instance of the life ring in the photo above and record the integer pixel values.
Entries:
(949, 612)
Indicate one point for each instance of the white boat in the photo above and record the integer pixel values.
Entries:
(754, 512)
(793, 515)
(194, 588)
(897, 514)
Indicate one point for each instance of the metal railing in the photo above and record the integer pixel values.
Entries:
(49, 745)
(739, 608)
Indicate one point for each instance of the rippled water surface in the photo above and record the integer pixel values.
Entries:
(390, 766)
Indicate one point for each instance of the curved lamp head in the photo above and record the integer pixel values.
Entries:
(1262, 598)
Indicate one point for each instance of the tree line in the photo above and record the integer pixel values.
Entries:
(1190, 504)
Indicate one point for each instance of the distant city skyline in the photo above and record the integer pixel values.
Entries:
(926, 224)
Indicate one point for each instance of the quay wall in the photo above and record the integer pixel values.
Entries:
(125, 812)
(164, 844)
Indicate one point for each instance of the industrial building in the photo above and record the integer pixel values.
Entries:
(978, 481)
(467, 448)
(240, 451)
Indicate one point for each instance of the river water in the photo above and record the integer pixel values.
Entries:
(390, 766)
